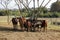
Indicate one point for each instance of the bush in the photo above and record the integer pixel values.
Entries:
(2, 13)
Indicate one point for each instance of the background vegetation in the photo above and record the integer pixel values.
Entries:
(42, 14)
(54, 11)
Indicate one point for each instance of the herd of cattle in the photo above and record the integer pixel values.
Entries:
(28, 24)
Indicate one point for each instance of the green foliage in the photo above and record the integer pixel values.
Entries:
(43, 9)
(26, 14)
(54, 14)
(14, 12)
(55, 7)
(2, 13)
(49, 15)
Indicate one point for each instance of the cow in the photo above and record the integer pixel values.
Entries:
(44, 25)
(21, 22)
(24, 23)
(40, 24)
(36, 24)
(29, 25)
(14, 22)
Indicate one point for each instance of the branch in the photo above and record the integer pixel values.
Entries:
(42, 3)
(47, 3)
(9, 2)
(29, 2)
(5, 3)
(2, 5)
(0, 1)
(17, 5)
(23, 5)
(38, 3)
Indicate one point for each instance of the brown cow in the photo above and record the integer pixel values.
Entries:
(21, 22)
(40, 24)
(44, 25)
(29, 25)
(36, 24)
(24, 23)
(14, 22)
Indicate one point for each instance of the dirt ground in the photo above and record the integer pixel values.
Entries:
(17, 35)
(6, 33)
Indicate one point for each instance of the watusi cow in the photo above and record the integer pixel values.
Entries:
(14, 22)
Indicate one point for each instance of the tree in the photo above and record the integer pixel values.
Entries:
(5, 4)
(21, 4)
(26, 3)
(55, 7)
(44, 9)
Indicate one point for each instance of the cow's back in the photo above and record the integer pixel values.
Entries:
(44, 23)
(14, 20)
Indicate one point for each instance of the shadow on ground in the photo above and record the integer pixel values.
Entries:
(8, 29)
(18, 30)
(2, 28)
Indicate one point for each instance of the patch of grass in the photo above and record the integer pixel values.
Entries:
(54, 27)
(5, 24)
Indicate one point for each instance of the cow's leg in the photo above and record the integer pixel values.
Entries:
(29, 25)
(46, 29)
(40, 28)
(34, 28)
(31, 28)
(15, 27)
(28, 29)
(22, 28)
